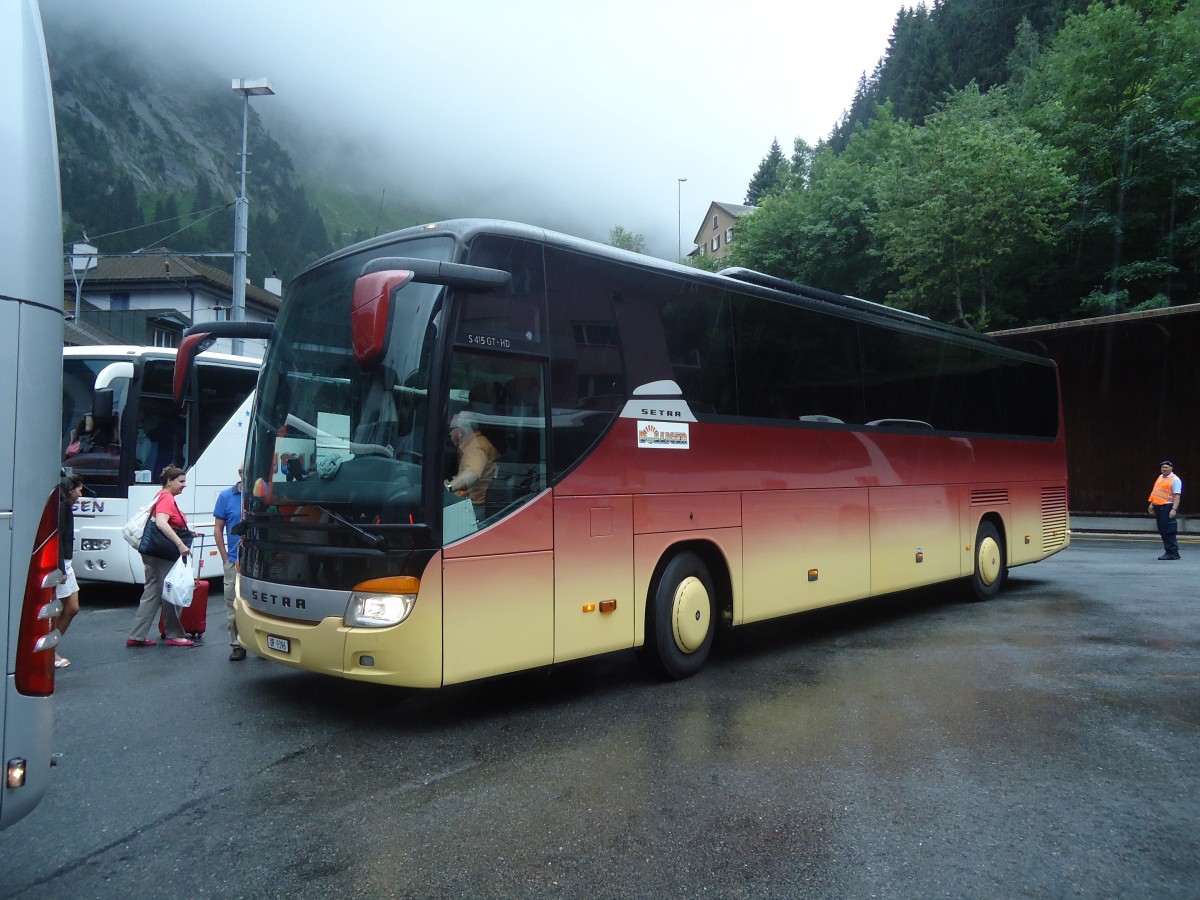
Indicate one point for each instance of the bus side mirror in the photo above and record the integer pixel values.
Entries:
(371, 313)
(185, 357)
(102, 392)
(102, 404)
(372, 305)
(199, 337)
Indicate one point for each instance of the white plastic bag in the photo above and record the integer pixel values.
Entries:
(133, 529)
(180, 583)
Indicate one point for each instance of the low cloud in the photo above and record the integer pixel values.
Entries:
(573, 117)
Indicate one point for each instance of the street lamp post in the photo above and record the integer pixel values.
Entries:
(247, 87)
(679, 220)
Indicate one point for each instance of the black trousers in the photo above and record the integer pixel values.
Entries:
(1168, 528)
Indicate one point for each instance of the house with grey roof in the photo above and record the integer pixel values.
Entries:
(716, 232)
(150, 298)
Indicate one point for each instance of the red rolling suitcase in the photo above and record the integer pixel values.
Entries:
(194, 617)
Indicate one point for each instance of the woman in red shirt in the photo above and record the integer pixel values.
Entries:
(170, 521)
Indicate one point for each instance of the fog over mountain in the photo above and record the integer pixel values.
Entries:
(559, 114)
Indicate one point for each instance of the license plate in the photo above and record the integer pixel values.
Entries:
(283, 645)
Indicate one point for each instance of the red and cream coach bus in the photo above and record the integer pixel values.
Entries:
(672, 451)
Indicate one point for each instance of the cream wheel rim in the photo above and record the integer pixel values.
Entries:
(989, 560)
(691, 611)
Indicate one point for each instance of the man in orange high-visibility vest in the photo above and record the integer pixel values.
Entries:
(1164, 506)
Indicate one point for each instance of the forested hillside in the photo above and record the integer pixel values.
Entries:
(1006, 163)
(148, 160)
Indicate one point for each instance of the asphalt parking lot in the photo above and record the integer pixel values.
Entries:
(1043, 744)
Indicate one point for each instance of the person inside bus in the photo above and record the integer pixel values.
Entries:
(67, 592)
(476, 459)
(91, 437)
(160, 435)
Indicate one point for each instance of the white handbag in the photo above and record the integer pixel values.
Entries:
(134, 528)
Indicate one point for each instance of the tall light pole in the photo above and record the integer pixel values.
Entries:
(679, 220)
(247, 87)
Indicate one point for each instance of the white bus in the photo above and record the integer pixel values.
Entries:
(31, 333)
(120, 428)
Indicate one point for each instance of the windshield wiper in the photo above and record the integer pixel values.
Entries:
(374, 540)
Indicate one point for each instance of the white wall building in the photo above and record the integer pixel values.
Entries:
(150, 298)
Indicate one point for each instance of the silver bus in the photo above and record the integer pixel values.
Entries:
(31, 334)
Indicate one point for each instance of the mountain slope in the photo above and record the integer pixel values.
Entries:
(149, 159)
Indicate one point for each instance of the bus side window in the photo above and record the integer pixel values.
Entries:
(587, 372)
(222, 390)
(504, 399)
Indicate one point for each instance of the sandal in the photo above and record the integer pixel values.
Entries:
(134, 642)
(61, 662)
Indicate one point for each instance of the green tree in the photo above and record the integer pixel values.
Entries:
(1117, 87)
(1026, 51)
(166, 212)
(204, 196)
(816, 230)
(770, 176)
(800, 166)
(915, 75)
(626, 240)
(957, 198)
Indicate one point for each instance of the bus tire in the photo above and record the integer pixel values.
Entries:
(990, 569)
(681, 621)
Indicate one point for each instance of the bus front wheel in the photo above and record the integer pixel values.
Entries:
(990, 569)
(680, 625)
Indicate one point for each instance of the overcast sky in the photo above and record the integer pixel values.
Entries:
(577, 116)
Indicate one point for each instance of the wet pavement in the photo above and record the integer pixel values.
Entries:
(1040, 745)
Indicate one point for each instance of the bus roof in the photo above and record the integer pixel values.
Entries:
(126, 350)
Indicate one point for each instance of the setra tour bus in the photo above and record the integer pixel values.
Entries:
(121, 427)
(480, 447)
(31, 335)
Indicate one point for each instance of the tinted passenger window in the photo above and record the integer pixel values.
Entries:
(222, 391)
(587, 380)
(1032, 389)
(901, 385)
(699, 338)
(514, 317)
(796, 364)
(921, 382)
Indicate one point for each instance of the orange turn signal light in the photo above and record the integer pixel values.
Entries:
(396, 584)
(607, 606)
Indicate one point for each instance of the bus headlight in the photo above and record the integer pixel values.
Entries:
(382, 602)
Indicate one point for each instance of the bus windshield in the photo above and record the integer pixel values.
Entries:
(329, 436)
(91, 447)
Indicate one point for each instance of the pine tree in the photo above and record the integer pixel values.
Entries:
(769, 177)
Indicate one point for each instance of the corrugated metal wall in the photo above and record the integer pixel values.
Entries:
(1131, 393)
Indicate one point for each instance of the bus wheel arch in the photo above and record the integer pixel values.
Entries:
(990, 557)
(687, 600)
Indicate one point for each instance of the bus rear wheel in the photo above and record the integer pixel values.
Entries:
(679, 632)
(990, 569)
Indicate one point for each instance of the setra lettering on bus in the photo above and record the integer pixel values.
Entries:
(662, 413)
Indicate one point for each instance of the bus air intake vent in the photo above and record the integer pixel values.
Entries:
(989, 497)
(1054, 518)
